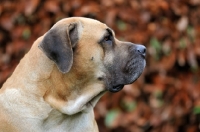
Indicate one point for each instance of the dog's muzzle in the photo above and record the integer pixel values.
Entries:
(132, 68)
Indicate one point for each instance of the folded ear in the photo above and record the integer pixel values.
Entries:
(57, 44)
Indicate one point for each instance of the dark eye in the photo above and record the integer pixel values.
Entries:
(108, 38)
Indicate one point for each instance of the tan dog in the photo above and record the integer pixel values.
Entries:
(58, 82)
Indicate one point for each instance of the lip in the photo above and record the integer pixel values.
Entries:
(92, 102)
(116, 88)
(144, 56)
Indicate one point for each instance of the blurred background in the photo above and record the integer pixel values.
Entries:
(166, 98)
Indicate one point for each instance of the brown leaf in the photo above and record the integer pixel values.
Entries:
(52, 6)
(30, 6)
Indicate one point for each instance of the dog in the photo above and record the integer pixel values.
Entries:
(56, 85)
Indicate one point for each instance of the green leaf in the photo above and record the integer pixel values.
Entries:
(191, 33)
(196, 110)
(26, 34)
(129, 106)
(194, 68)
(20, 19)
(158, 94)
(182, 43)
(121, 25)
(156, 45)
(111, 116)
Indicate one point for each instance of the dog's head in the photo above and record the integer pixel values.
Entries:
(90, 60)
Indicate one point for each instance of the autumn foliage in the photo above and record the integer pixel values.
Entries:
(166, 98)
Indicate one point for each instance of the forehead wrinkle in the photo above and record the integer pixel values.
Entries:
(94, 31)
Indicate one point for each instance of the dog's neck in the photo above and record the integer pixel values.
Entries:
(27, 74)
(75, 123)
(49, 114)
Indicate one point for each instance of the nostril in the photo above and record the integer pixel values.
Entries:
(141, 49)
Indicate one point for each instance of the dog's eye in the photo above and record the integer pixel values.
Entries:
(108, 38)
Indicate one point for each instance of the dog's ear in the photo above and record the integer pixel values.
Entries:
(57, 44)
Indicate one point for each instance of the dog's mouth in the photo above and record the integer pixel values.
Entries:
(116, 88)
(92, 102)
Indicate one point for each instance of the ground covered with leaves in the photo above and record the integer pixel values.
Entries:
(166, 98)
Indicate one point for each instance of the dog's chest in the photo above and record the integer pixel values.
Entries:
(51, 121)
(74, 123)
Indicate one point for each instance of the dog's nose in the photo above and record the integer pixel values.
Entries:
(141, 49)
